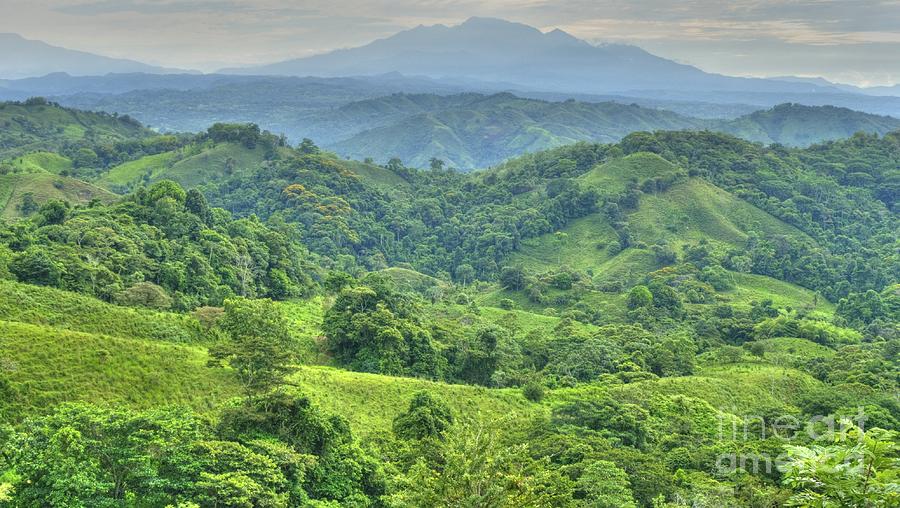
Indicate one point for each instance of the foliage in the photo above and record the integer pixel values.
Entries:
(425, 418)
(256, 343)
(858, 469)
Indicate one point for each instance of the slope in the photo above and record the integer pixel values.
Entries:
(37, 188)
(196, 164)
(689, 211)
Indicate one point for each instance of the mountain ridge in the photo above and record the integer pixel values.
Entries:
(496, 49)
(23, 58)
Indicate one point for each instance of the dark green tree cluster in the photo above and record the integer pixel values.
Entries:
(276, 451)
(159, 247)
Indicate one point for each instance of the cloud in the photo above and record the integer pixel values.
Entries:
(146, 7)
(708, 33)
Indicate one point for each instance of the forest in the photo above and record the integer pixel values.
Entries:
(231, 318)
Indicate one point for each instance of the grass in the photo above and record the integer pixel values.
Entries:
(739, 389)
(44, 127)
(377, 176)
(305, 317)
(585, 247)
(412, 281)
(43, 187)
(47, 366)
(209, 164)
(42, 162)
(696, 209)
(751, 287)
(613, 176)
(793, 352)
(190, 166)
(130, 173)
(73, 312)
(370, 401)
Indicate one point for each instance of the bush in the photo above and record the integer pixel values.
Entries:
(533, 391)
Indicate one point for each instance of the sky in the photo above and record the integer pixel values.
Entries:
(849, 41)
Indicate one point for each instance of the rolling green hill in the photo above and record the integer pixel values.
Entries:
(190, 166)
(37, 125)
(41, 162)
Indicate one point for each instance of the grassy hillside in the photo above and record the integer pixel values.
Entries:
(615, 176)
(370, 401)
(53, 365)
(41, 162)
(695, 209)
(42, 187)
(70, 311)
(37, 125)
(689, 211)
(190, 166)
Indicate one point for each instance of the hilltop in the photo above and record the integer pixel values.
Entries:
(39, 125)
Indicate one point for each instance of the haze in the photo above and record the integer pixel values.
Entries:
(849, 42)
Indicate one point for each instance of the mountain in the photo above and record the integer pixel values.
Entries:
(798, 125)
(476, 131)
(487, 49)
(22, 58)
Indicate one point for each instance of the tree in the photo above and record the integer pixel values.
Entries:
(512, 277)
(308, 147)
(372, 328)
(196, 203)
(639, 297)
(28, 205)
(54, 211)
(37, 266)
(471, 467)
(258, 343)
(465, 273)
(426, 417)
(82, 455)
(85, 158)
(605, 485)
(436, 164)
(145, 294)
(561, 239)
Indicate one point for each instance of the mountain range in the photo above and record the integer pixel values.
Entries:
(496, 50)
(474, 131)
(23, 58)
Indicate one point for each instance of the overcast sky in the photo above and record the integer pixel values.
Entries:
(854, 41)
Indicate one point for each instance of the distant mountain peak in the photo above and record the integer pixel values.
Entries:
(492, 50)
